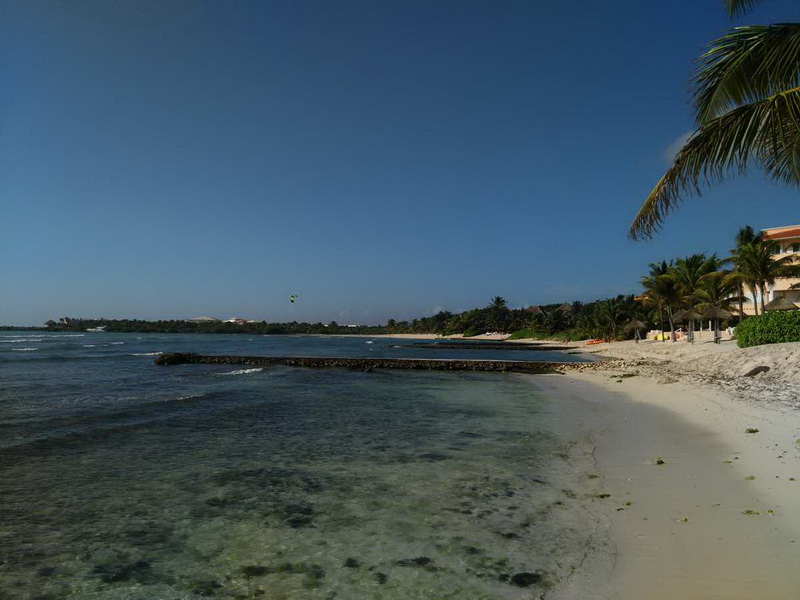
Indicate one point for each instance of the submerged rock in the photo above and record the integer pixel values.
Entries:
(123, 571)
(255, 571)
(420, 561)
(526, 579)
(351, 563)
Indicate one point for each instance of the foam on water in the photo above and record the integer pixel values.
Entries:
(243, 371)
(24, 349)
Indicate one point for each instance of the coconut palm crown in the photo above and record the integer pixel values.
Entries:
(746, 96)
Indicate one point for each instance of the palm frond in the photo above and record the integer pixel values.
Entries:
(767, 131)
(736, 8)
(746, 65)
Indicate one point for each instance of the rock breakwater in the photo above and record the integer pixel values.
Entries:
(366, 364)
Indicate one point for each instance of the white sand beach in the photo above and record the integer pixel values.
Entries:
(701, 466)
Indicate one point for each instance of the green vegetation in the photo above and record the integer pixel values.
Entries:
(769, 328)
(178, 326)
(746, 107)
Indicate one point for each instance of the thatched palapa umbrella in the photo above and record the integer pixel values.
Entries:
(691, 316)
(636, 326)
(780, 303)
(716, 313)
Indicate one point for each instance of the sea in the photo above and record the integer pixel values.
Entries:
(121, 479)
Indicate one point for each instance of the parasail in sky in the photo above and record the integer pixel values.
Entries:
(292, 298)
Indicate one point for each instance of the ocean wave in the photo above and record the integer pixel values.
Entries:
(146, 353)
(24, 349)
(243, 371)
(90, 345)
(117, 343)
(21, 341)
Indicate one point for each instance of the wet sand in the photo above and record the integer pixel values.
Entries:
(720, 518)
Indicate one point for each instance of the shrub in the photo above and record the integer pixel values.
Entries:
(770, 328)
(473, 331)
(536, 334)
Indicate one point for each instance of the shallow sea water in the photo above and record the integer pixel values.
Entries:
(120, 479)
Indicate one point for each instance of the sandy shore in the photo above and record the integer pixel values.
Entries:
(697, 507)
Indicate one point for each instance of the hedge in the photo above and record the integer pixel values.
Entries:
(770, 328)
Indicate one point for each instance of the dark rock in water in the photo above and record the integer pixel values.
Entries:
(504, 577)
(112, 573)
(362, 364)
(298, 509)
(298, 521)
(382, 578)
(420, 561)
(298, 515)
(177, 358)
(255, 571)
(351, 563)
(316, 572)
(433, 457)
(526, 579)
(756, 371)
(286, 568)
(207, 587)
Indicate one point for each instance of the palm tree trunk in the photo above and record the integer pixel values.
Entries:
(741, 301)
(671, 324)
(763, 293)
(755, 299)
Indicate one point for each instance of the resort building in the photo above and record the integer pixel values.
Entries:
(784, 241)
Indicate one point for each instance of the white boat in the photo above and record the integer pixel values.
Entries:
(100, 329)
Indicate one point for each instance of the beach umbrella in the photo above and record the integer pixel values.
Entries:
(780, 303)
(716, 313)
(690, 315)
(636, 326)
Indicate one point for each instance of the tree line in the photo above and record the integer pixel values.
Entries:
(693, 285)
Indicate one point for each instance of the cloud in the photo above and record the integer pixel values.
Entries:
(671, 151)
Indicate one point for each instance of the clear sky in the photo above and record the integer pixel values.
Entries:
(381, 159)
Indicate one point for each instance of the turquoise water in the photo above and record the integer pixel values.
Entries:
(120, 479)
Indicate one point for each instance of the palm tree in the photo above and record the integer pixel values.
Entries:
(719, 289)
(745, 235)
(612, 314)
(747, 110)
(758, 269)
(688, 272)
(664, 293)
(498, 302)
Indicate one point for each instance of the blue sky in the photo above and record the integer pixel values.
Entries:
(381, 159)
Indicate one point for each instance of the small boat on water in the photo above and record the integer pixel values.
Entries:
(100, 329)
